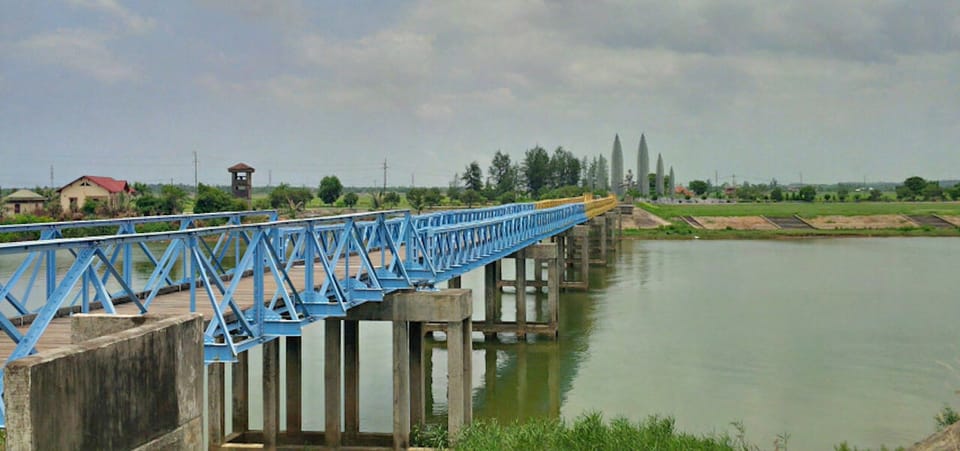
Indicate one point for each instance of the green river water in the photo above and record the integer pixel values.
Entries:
(826, 340)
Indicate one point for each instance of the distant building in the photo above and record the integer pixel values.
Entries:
(242, 183)
(104, 189)
(23, 202)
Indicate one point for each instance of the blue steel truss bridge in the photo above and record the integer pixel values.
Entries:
(252, 276)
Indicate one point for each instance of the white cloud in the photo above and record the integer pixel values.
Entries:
(286, 13)
(393, 55)
(132, 21)
(82, 50)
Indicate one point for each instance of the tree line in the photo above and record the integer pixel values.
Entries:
(538, 175)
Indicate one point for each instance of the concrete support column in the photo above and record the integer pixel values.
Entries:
(406, 310)
(584, 235)
(521, 285)
(454, 282)
(331, 382)
(467, 371)
(401, 384)
(603, 239)
(490, 297)
(351, 378)
(241, 393)
(271, 393)
(459, 389)
(215, 412)
(418, 413)
(294, 386)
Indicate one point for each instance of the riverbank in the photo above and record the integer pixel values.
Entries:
(793, 220)
(683, 231)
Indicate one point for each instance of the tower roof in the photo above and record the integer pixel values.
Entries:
(240, 167)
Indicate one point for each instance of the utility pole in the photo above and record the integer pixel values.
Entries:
(51, 176)
(269, 177)
(196, 180)
(413, 183)
(384, 176)
(716, 182)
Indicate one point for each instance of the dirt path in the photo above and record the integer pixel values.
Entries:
(642, 219)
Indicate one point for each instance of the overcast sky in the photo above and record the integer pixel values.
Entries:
(830, 89)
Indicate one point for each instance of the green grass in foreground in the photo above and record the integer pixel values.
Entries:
(804, 209)
(589, 431)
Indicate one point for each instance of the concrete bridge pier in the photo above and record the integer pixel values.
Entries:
(544, 255)
(614, 228)
(408, 311)
(598, 241)
(576, 246)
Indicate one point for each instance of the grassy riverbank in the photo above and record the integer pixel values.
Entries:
(804, 209)
(860, 215)
(588, 431)
(682, 231)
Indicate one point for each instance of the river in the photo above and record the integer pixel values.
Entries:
(827, 340)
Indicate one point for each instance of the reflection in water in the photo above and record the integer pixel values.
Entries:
(518, 380)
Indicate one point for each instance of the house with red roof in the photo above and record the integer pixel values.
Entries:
(104, 189)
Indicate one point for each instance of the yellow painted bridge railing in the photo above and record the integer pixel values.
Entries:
(592, 207)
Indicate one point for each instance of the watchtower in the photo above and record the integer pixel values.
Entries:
(242, 183)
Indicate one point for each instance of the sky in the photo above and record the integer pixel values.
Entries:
(813, 90)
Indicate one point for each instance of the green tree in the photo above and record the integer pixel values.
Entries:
(932, 191)
(391, 199)
(285, 196)
(842, 192)
(416, 197)
(503, 174)
(536, 170)
(564, 168)
(904, 193)
(470, 197)
(432, 197)
(350, 199)
(915, 184)
(875, 195)
(699, 187)
(211, 199)
(473, 177)
(508, 197)
(330, 189)
(808, 193)
(776, 194)
(172, 198)
(955, 192)
(453, 190)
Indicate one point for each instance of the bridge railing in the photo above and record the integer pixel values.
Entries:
(597, 207)
(28, 271)
(459, 248)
